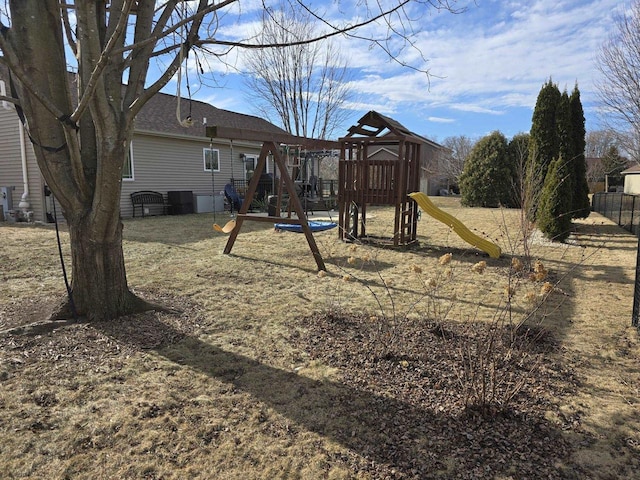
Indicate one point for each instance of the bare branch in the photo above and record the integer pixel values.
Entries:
(305, 85)
(116, 36)
(619, 88)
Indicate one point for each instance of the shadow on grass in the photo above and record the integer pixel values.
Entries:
(604, 236)
(383, 432)
(310, 268)
(182, 229)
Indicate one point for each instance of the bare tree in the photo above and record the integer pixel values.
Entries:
(452, 162)
(599, 141)
(598, 144)
(302, 86)
(619, 87)
(81, 130)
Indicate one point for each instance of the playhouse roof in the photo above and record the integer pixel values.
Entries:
(374, 124)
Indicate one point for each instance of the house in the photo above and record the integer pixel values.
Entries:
(164, 156)
(632, 180)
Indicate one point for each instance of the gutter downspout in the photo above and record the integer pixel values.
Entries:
(24, 201)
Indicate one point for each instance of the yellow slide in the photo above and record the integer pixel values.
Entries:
(463, 232)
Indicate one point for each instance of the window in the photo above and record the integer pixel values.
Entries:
(250, 163)
(127, 169)
(211, 159)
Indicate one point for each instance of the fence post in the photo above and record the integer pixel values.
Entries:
(636, 291)
(633, 208)
(620, 209)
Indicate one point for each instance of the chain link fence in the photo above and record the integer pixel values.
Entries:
(622, 208)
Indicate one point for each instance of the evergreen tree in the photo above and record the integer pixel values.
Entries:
(564, 134)
(612, 162)
(553, 217)
(487, 178)
(581, 206)
(543, 143)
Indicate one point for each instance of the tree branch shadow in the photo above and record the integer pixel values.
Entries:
(384, 432)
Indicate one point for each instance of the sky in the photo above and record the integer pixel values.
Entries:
(486, 64)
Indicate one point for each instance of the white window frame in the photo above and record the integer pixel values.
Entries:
(132, 176)
(247, 159)
(204, 159)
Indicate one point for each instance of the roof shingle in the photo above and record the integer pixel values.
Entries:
(159, 115)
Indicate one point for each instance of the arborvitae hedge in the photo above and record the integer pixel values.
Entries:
(543, 142)
(554, 218)
(564, 130)
(581, 207)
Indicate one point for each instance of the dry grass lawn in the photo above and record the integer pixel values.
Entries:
(271, 370)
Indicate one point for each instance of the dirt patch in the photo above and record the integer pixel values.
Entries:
(438, 427)
(98, 345)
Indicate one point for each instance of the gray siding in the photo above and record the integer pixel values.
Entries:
(163, 164)
(10, 168)
(430, 181)
(431, 178)
(11, 165)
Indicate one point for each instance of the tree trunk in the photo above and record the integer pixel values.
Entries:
(99, 282)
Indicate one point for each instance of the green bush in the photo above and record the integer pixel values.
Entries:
(488, 176)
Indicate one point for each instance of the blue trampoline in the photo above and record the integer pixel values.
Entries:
(315, 226)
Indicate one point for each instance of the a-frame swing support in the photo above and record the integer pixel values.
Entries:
(270, 145)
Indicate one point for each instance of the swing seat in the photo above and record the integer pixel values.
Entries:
(228, 228)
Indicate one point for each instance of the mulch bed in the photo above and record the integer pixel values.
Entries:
(423, 418)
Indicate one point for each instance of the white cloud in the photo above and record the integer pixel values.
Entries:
(489, 60)
(494, 56)
(440, 120)
(475, 108)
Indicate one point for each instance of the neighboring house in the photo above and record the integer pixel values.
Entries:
(164, 156)
(632, 180)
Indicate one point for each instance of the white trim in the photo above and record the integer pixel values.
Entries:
(204, 159)
(3, 91)
(246, 159)
(133, 176)
(383, 149)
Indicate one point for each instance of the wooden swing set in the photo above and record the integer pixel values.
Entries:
(271, 145)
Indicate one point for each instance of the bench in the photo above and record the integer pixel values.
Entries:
(147, 198)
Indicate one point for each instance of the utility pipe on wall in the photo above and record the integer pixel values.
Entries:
(24, 201)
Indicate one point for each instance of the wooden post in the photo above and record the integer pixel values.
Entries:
(294, 202)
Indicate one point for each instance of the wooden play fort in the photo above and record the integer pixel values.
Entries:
(379, 165)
